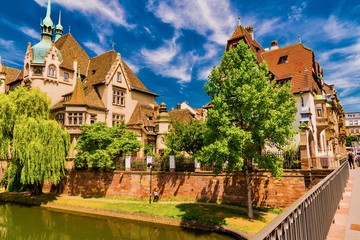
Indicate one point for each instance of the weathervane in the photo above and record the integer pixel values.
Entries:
(69, 28)
(113, 45)
(239, 21)
(299, 39)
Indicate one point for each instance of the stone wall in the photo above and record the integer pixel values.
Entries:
(266, 190)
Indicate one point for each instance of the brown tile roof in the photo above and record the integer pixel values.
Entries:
(99, 67)
(71, 49)
(78, 95)
(182, 115)
(12, 74)
(241, 33)
(298, 68)
(142, 114)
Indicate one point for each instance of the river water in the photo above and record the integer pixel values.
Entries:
(35, 223)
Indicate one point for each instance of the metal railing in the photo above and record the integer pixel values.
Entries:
(310, 217)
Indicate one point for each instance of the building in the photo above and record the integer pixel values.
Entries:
(86, 90)
(320, 116)
(352, 120)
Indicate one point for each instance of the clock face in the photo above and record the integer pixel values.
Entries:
(38, 70)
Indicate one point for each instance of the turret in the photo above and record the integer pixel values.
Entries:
(58, 29)
(47, 25)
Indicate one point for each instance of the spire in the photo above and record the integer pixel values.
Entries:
(47, 24)
(78, 95)
(58, 29)
(239, 24)
(299, 39)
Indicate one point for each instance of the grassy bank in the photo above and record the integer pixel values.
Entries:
(203, 213)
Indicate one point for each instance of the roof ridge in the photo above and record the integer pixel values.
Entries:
(112, 50)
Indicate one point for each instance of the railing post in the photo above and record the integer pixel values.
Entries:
(172, 163)
(127, 163)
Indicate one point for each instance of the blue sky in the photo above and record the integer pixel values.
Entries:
(173, 44)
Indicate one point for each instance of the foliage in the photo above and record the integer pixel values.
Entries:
(98, 145)
(350, 139)
(38, 146)
(148, 149)
(186, 136)
(249, 111)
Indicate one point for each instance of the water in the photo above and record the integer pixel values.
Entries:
(34, 223)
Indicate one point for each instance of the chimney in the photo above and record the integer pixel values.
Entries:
(178, 106)
(250, 30)
(274, 45)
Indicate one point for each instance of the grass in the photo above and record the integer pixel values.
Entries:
(204, 213)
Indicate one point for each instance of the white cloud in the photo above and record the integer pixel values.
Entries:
(96, 48)
(337, 29)
(296, 11)
(30, 32)
(134, 67)
(204, 73)
(9, 53)
(103, 13)
(208, 18)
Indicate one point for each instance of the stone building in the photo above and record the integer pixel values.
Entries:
(352, 120)
(320, 116)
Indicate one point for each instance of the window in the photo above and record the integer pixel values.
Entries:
(66, 76)
(356, 122)
(283, 59)
(319, 110)
(351, 130)
(38, 70)
(119, 97)
(75, 119)
(92, 119)
(356, 130)
(351, 123)
(52, 71)
(117, 118)
(118, 78)
(60, 118)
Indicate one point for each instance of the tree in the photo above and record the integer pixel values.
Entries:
(350, 139)
(98, 145)
(36, 145)
(249, 112)
(186, 136)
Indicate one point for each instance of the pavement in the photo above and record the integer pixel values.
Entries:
(346, 224)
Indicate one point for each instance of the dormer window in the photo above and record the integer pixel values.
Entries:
(283, 59)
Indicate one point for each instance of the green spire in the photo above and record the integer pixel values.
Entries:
(58, 29)
(47, 24)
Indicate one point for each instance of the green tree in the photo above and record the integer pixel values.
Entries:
(36, 145)
(249, 111)
(186, 136)
(350, 139)
(98, 145)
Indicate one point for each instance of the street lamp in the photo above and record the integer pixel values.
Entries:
(150, 165)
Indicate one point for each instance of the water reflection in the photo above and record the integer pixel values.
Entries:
(29, 223)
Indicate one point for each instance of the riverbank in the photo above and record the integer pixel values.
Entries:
(209, 216)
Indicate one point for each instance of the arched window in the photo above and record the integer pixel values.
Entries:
(27, 69)
(52, 71)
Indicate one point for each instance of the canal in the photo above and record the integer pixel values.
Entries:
(35, 223)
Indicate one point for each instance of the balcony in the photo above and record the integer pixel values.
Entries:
(321, 123)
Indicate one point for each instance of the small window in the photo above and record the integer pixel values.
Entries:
(283, 59)
(350, 123)
(117, 119)
(75, 118)
(66, 76)
(118, 78)
(356, 122)
(92, 119)
(52, 71)
(351, 130)
(60, 118)
(356, 130)
(119, 97)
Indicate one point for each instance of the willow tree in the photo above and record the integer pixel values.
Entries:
(250, 111)
(35, 145)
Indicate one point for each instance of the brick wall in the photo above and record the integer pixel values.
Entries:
(266, 190)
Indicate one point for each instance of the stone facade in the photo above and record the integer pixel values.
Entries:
(267, 190)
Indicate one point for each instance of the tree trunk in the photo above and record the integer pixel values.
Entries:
(248, 188)
(38, 189)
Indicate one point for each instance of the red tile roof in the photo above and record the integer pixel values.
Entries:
(298, 68)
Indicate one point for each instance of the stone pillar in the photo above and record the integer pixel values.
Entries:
(197, 166)
(172, 163)
(127, 163)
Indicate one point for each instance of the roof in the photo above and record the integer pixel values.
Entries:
(182, 115)
(78, 95)
(241, 33)
(298, 67)
(143, 114)
(70, 49)
(12, 74)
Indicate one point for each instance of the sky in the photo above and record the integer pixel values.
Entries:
(172, 45)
